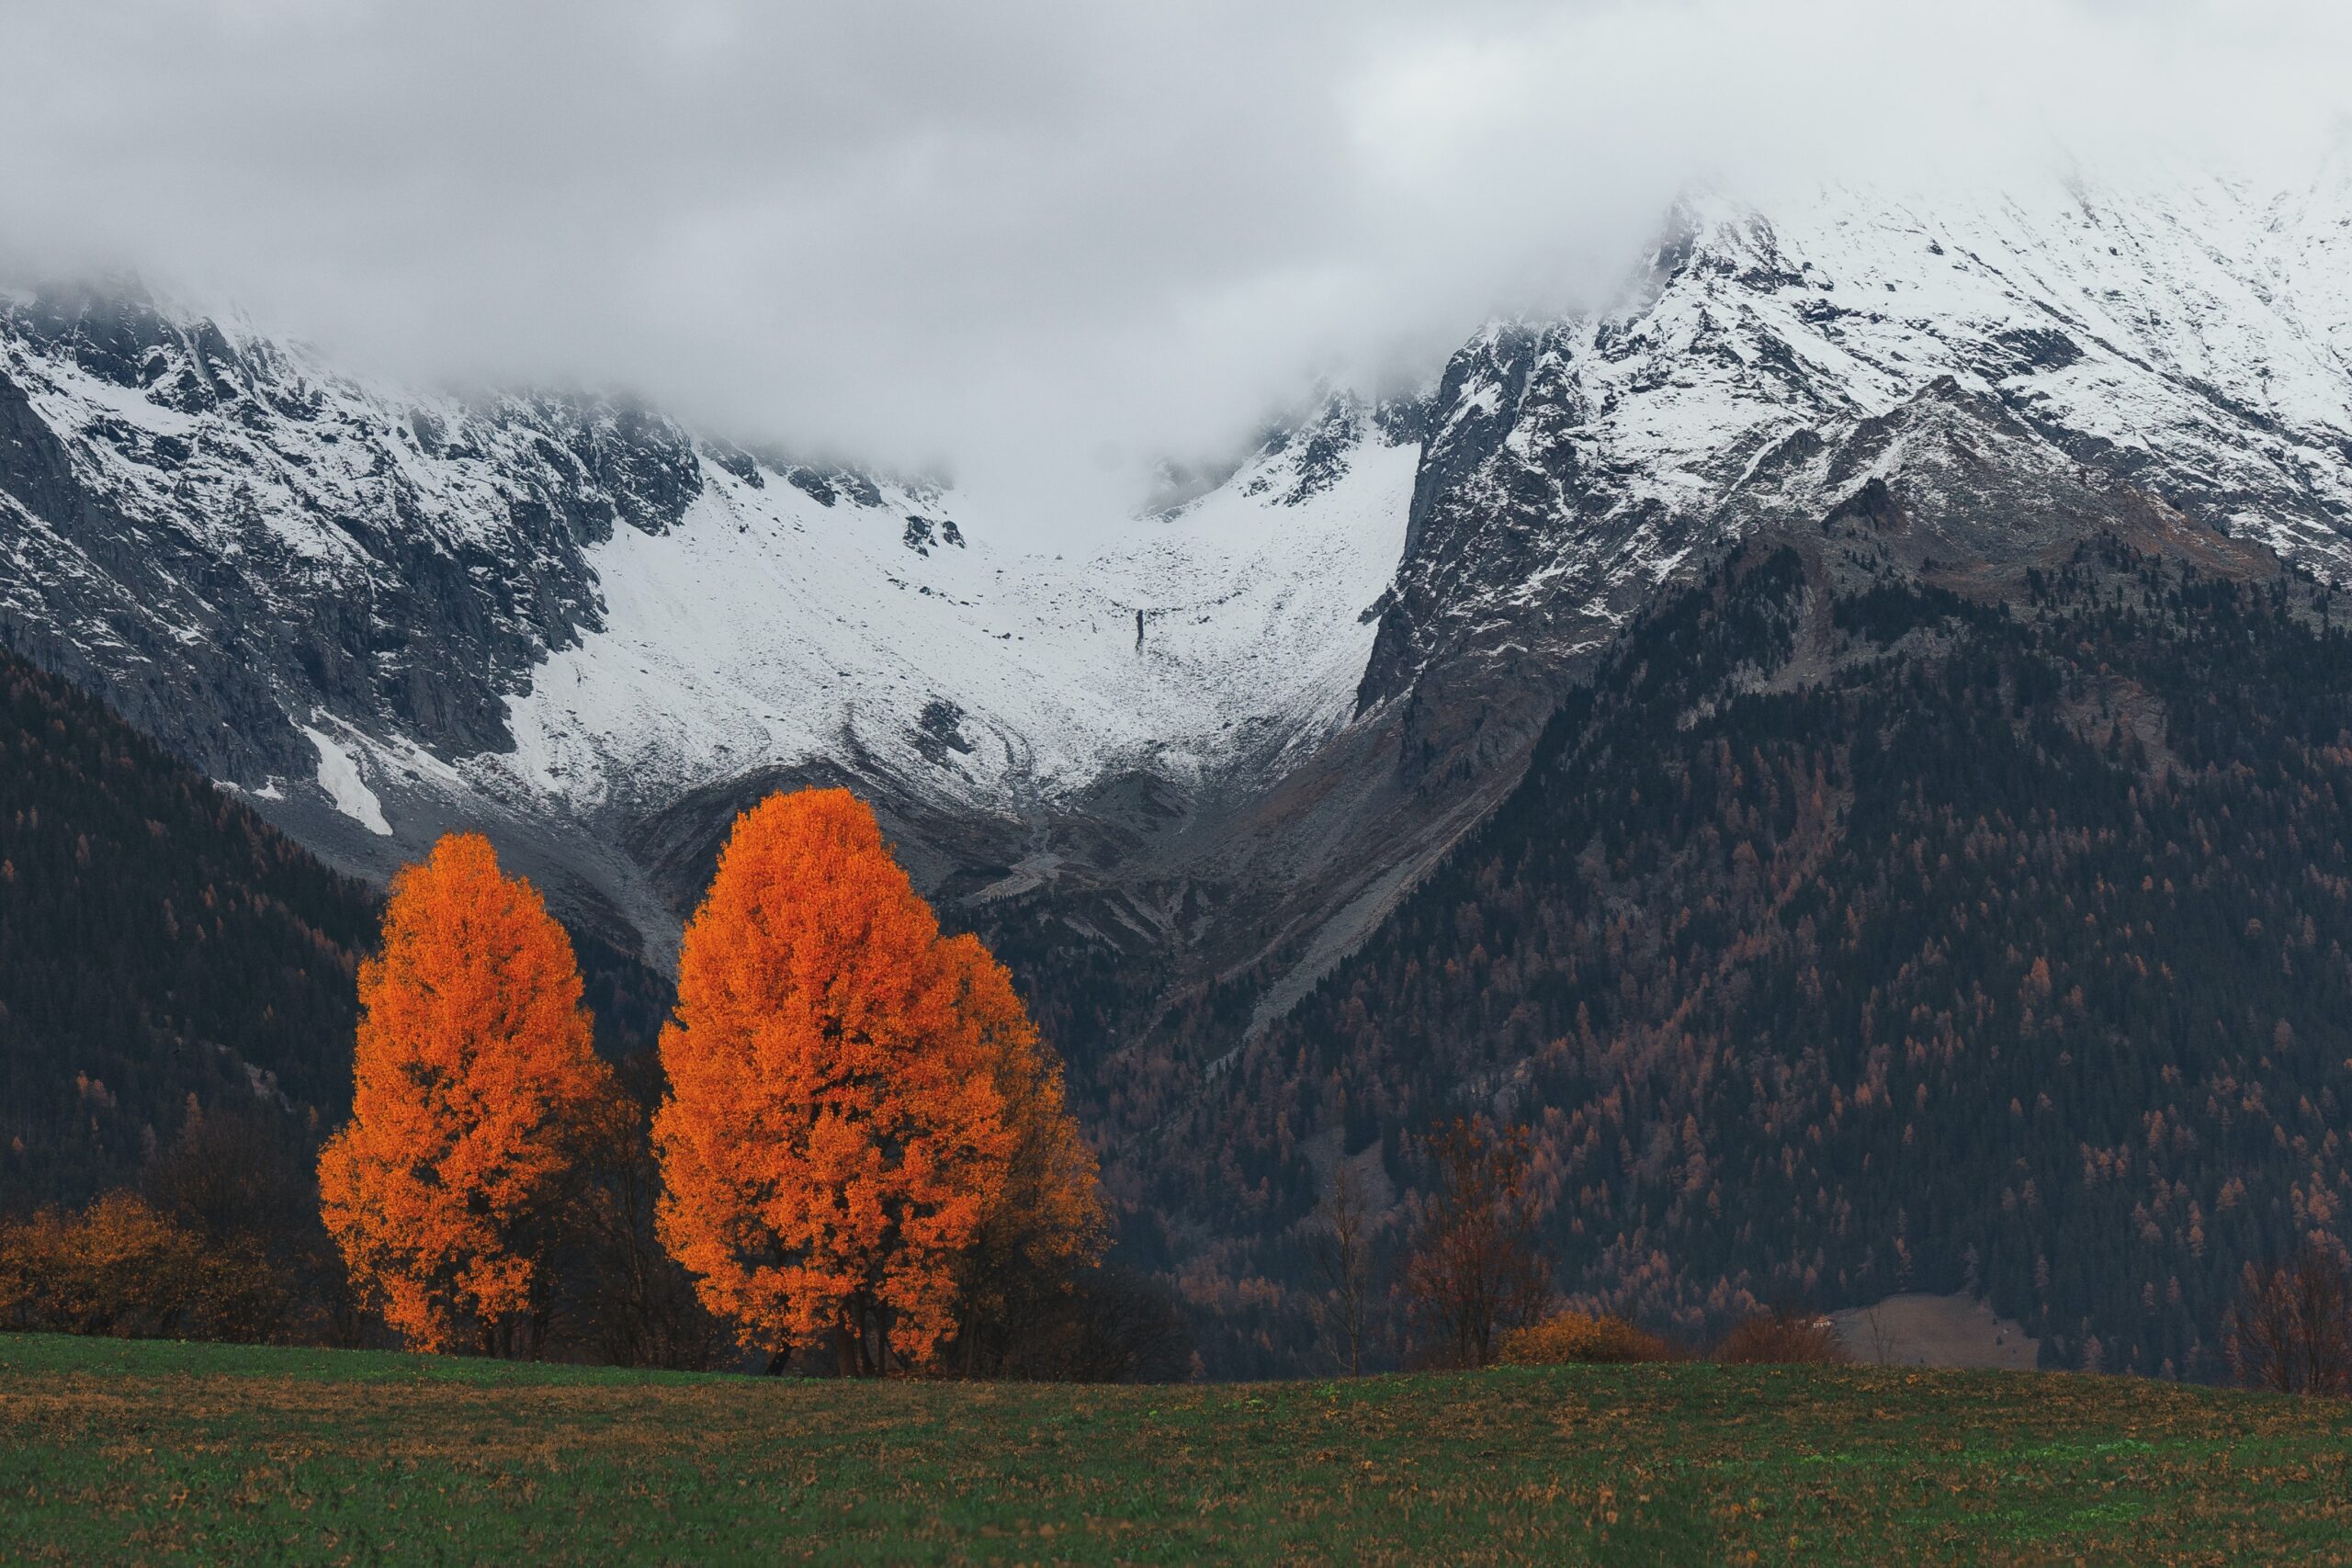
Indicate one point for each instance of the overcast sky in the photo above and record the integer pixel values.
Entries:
(1038, 243)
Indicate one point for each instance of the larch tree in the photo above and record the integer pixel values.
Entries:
(1475, 1267)
(855, 1104)
(474, 1082)
(2291, 1331)
(1339, 1246)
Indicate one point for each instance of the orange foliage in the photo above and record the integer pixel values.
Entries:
(1574, 1337)
(123, 1266)
(473, 1079)
(847, 1093)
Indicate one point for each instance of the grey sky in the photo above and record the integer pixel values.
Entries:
(1017, 237)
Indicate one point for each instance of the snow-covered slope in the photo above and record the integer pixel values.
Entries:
(234, 542)
(767, 628)
(2195, 335)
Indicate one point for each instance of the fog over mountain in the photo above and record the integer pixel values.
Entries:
(1040, 246)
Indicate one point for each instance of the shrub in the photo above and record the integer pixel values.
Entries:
(121, 1267)
(1783, 1335)
(1567, 1336)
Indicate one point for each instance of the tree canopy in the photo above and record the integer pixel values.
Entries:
(472, 1081)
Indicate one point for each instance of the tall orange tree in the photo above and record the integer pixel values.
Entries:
(849, 1095)
(473, 1083)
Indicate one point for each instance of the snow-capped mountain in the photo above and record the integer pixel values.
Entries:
(378, 612)
(1239, 726)
(2191, 339)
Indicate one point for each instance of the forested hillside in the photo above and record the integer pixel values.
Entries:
(158, 941)
(1852, 935)
(1860, 929)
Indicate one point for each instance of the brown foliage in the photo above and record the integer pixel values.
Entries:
(863, 1129)
(1475, 1268)
(473, 1083)
(235, 1169)
(124, 1269)
(1785, 1336)
(2291, 1331)
(1753, 1068)
(1572, 1336)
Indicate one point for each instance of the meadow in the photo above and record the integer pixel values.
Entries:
(155, 1452)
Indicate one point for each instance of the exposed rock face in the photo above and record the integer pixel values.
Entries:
(224, 539)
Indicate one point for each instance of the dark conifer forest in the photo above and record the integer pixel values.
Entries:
(160, 946)
(158, 941)
(1849, 935)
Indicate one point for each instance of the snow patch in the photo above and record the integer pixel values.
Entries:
(339, 776)
(768, 629)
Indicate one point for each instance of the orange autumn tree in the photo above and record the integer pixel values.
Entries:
(856, 1105)
(473, 1081)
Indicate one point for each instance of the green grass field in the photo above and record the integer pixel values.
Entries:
(114, 1451)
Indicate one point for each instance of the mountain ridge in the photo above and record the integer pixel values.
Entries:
(1234, 732)
(1228, 791)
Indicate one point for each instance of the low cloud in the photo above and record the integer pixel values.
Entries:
(1035, 244)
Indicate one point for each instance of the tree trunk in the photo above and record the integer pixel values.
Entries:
(849, 1351)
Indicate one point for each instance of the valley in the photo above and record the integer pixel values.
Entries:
(1539, 743)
